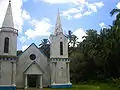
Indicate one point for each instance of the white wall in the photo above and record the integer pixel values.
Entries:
(59, 74)
(24, 61)
(55, 46)
(12, 43)
(5, 73)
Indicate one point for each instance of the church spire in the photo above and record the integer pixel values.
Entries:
(58, 27)
(8, 20)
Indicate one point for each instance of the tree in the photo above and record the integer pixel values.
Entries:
(19, 52)
(97, 56)
(72, 39)
(116, 22)
(114, 11)
(45, 47)
(72, 42)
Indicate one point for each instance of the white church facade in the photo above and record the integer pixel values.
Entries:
(32, 68)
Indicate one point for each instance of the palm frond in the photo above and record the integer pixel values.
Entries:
(114, 11)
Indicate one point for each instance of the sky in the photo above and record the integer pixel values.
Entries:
(36, 19)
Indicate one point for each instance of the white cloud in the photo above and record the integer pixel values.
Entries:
(76, 2)
(17, 11)
(69, 17)
(81, 1)
(83, 8)
(102, 25)
(79, 33)
(25, 15)
(78, 15)
(118, 5)
(87, 13)
(19, 15)
(78, 8)
(92, 7)
(70, 11)
(23, 39)
(99, 4)
(41, 28)
(24, 47)
(56, 1)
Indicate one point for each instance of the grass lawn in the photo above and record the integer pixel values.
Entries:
(94, 86)
(90, 87)
(79, 87)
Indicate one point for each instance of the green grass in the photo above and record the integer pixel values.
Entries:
(101, 86)
(88, 86)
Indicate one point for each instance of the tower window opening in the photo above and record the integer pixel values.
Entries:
(6, 45)
(61, 48)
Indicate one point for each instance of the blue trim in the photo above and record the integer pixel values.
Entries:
(24, 50)
(36, 47)
(40, 50)
(43, 53)
(62, 86)
(7, 87)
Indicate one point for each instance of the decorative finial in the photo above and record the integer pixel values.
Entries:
(9, 1)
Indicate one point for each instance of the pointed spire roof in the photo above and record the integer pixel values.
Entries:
(8, 20)
(58, 27)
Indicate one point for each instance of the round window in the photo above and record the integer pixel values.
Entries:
(32, 57)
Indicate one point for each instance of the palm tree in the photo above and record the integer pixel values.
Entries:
(116, 22)
(45, 47)
(72, 43)
(114, 11)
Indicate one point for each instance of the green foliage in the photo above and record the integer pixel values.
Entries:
(97, 56)
(19, 52)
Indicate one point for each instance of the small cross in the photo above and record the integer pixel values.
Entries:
(9, 1)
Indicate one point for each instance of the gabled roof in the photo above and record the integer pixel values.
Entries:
(34, 62)
(36, 47)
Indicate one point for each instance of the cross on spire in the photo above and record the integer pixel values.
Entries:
(9, 1)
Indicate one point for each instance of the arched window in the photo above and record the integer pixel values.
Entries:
(61, 48)
(6, 45)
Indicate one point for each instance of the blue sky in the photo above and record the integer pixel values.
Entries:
(36, 19)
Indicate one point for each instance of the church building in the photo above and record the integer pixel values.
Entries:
(33, 67)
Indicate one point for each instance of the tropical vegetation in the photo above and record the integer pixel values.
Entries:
(97, 57)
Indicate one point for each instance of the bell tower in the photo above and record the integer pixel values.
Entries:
(8, 47)
(8, 34)
(59, 43)
(60, 77)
